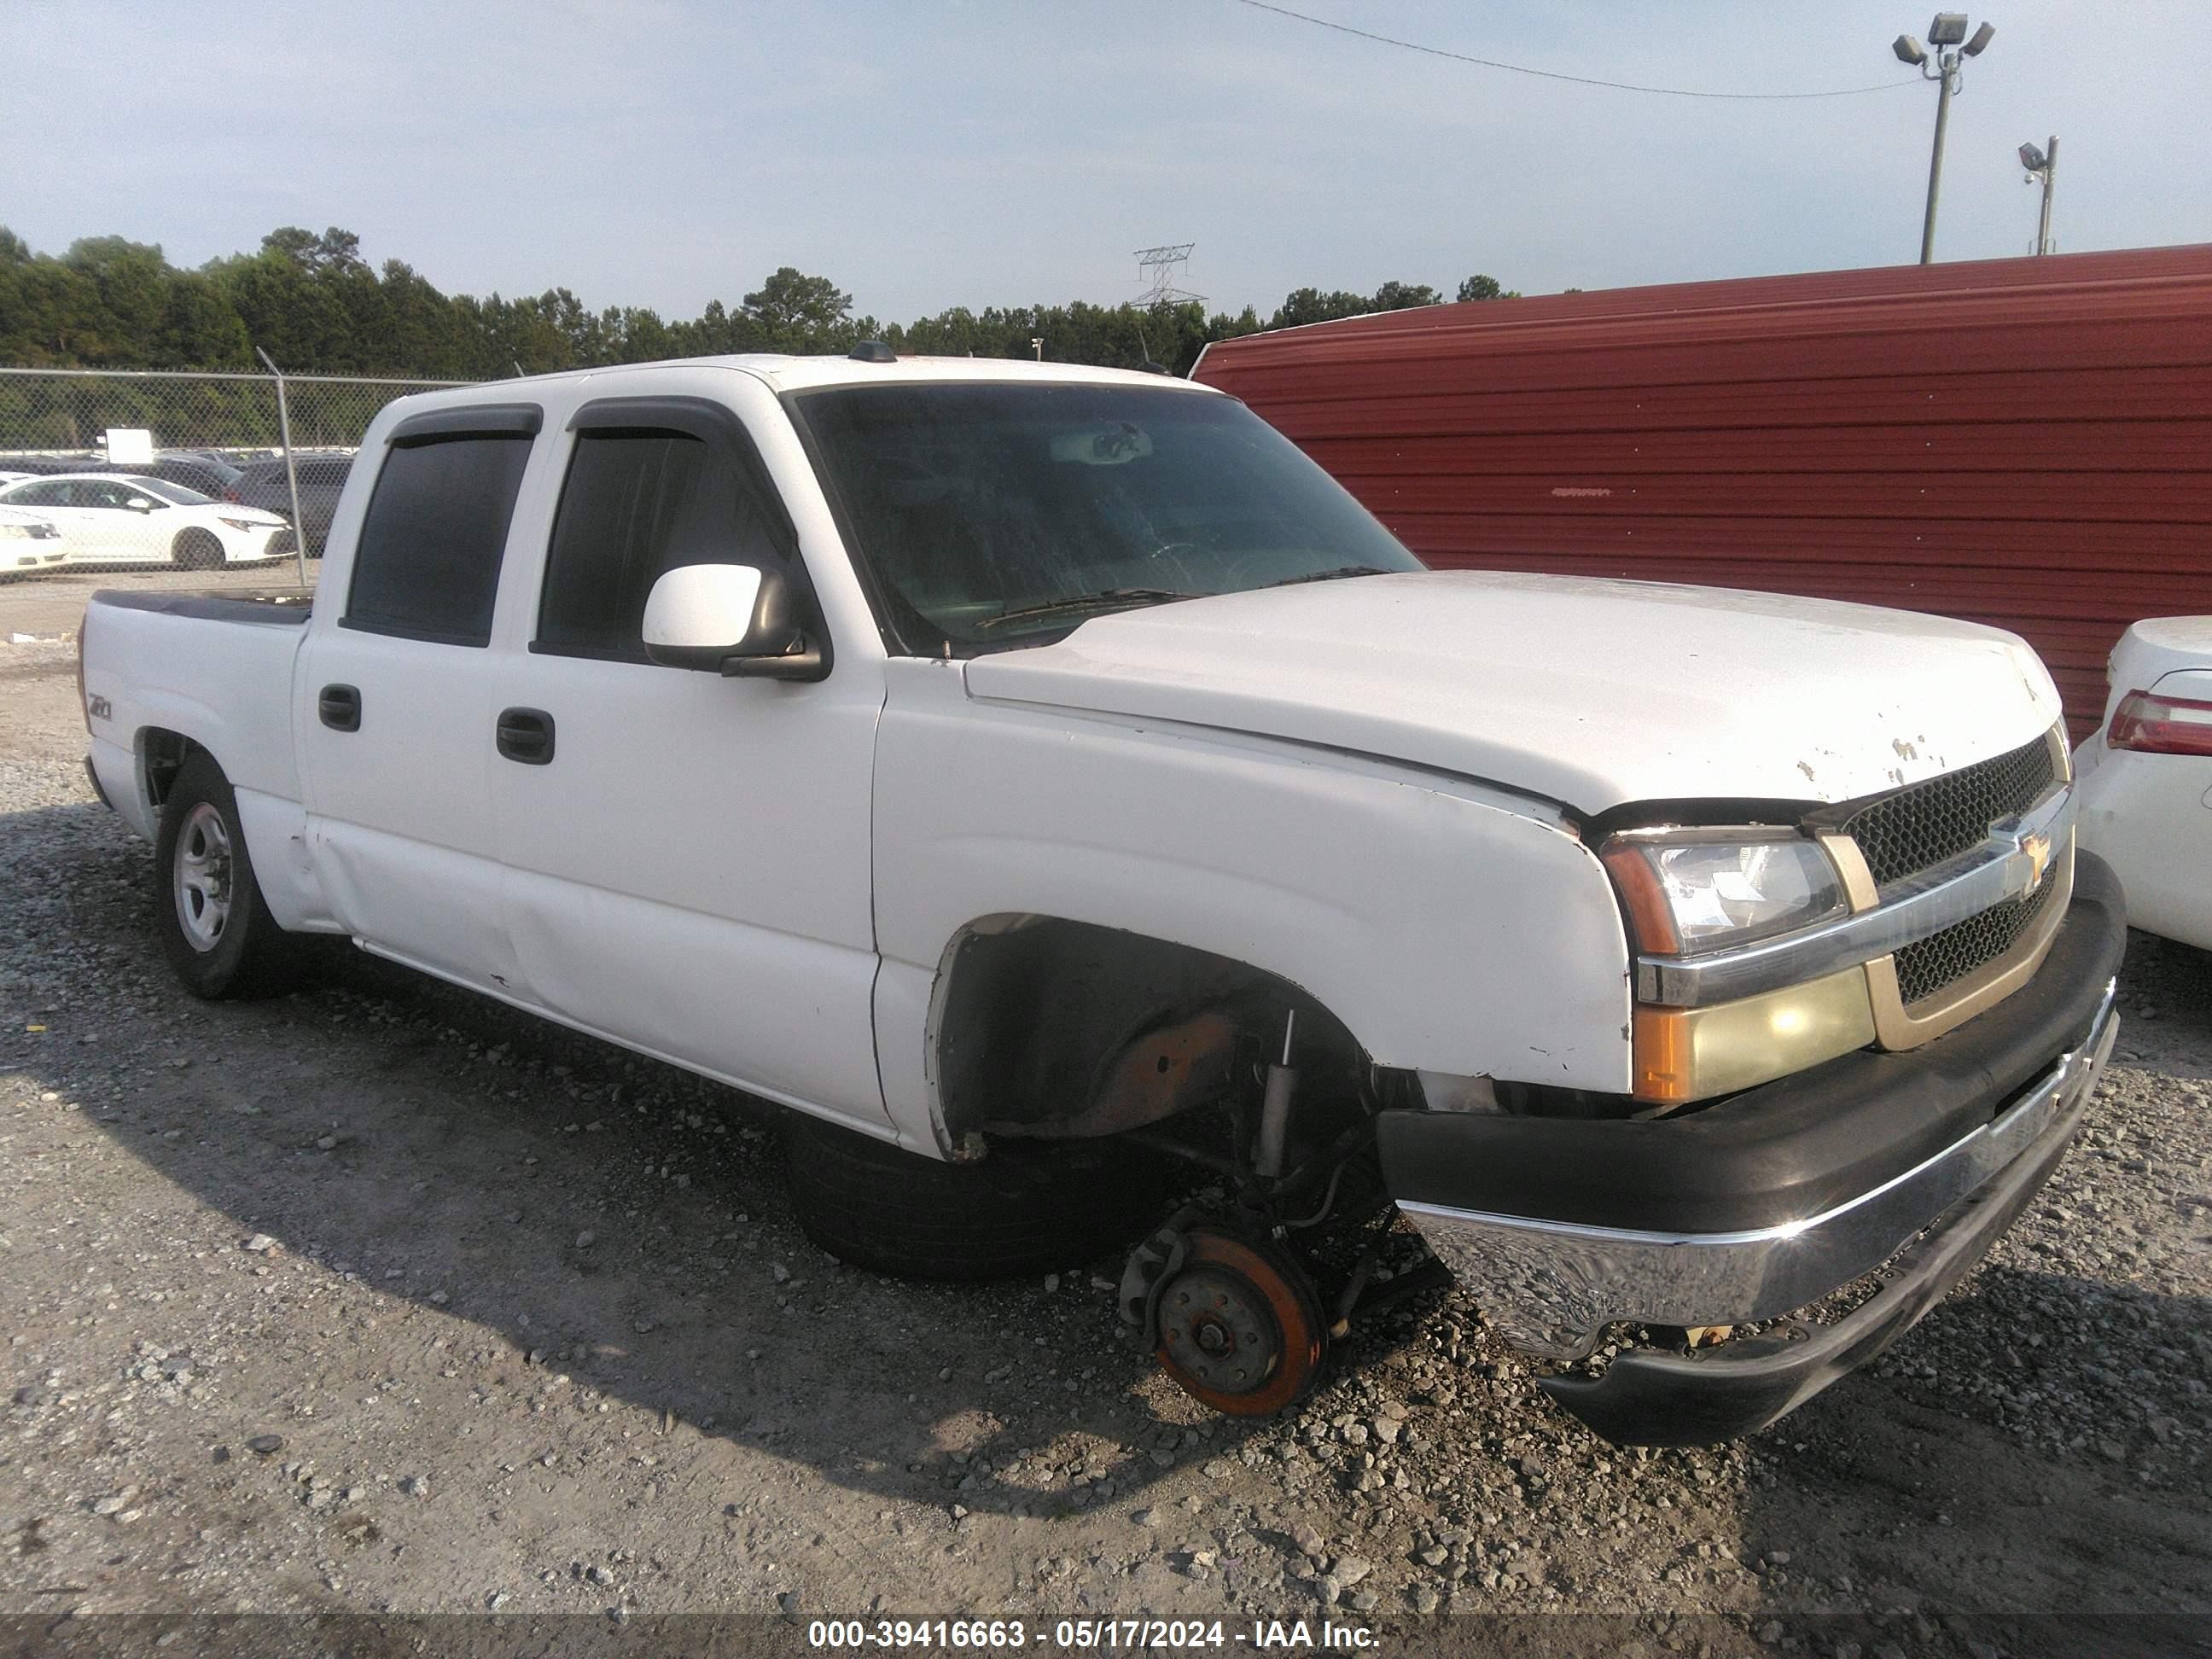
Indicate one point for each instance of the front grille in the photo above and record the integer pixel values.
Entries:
(1942, 960)
(1906, 832)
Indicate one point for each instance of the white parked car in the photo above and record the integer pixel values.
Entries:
(119, 518)
(29, 541)
(1016, 768)
(2146, 777)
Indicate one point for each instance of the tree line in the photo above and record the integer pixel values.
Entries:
(317, 306)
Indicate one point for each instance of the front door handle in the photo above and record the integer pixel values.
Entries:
(338, 706)
(525, 735)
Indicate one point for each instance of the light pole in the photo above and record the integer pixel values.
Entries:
(1947, 34)
(2046, 162)
(1037, 344)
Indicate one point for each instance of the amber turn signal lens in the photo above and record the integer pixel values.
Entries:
(1664, 1068)
(1648, 913)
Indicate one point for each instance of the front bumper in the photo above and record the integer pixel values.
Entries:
(1766, 1203)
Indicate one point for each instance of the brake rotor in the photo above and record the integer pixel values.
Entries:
(1240, 1328)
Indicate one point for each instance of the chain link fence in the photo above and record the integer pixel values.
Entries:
(114, 467)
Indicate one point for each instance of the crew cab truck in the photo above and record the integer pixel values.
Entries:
(1027, 774)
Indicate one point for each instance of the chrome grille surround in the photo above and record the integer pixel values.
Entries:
(1941, 941)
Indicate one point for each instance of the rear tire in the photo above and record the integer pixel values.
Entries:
(1024, 1209)
(214, 927)
(196, 550)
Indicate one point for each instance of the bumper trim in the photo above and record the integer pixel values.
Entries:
(98, 787)
(1647, 1398)
(1551, 1287)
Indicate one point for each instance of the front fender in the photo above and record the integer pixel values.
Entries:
(1451, 926)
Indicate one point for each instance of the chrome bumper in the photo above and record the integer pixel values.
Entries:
(1552, 1287)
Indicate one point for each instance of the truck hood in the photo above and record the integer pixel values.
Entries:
(1589, 693)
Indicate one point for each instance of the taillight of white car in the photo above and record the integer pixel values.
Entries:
(2153, 725)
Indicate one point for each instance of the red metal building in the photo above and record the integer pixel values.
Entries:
(2025, 442)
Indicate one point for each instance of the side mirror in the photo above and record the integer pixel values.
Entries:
(139, 504)
(733, 619)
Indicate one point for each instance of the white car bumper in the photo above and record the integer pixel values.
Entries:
(2150, 817)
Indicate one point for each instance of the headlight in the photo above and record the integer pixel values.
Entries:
(1690, 891)
(245, 524)
(21, 529)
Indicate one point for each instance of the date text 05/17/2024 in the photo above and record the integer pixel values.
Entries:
(984, 1635)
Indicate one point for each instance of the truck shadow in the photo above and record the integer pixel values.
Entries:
(568, 1220)
(592, 1215)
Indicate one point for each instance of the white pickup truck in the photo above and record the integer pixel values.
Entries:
(1037, 777)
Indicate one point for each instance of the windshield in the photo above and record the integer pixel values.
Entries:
(175, 493)
(992, 515)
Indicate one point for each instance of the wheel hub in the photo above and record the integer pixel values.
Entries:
(1238, 1326)
(1216, 1325)
(202, 879)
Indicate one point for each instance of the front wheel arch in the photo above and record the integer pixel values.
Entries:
(1049, 1028)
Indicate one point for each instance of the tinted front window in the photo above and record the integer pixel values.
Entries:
(427, 564)
(973, 504)
(638, 503)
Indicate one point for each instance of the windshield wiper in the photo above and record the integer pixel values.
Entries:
(1327, 576)
(1107, 596)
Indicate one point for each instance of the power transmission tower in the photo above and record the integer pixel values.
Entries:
(1161, 262)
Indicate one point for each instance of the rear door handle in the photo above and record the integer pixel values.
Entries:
(525, 735)
(339, 707)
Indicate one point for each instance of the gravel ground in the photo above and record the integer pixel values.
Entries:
(380, 1298)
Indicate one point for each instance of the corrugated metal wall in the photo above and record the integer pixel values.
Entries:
(2026, 442)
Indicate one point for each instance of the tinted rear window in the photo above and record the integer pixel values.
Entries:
(426, 566)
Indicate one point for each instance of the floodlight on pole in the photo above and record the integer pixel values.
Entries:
(1947, 35)
(2042, 164)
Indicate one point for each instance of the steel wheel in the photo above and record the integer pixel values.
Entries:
(1240, 1328)
(201, 878)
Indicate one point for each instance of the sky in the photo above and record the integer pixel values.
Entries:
(924, 154)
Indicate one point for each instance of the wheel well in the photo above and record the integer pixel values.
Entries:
(1068, 1029)
(161, 755)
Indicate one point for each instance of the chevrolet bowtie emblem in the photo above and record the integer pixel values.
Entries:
(2038, 848)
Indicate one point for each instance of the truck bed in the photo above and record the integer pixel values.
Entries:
(214, 666)
(288, 607)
